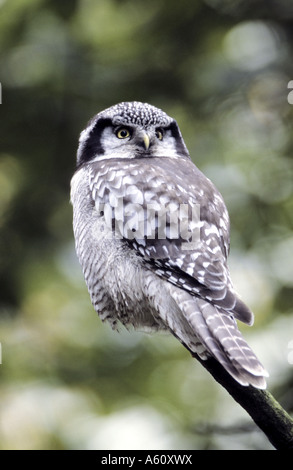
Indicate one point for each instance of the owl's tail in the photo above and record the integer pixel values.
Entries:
(218, 333)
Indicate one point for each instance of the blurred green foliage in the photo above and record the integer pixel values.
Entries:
(221, 68)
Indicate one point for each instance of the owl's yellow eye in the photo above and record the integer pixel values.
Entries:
(159, 134)
(122, 133)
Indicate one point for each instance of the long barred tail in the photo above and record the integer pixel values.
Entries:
(218, 333)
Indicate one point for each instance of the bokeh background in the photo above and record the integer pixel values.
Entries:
(222, 69)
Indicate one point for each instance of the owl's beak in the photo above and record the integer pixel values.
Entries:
(143, 140)
(146, 141)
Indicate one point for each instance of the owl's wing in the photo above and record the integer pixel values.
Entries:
(175, 218)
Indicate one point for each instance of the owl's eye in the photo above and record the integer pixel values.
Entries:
(122, 133)
(159, 134)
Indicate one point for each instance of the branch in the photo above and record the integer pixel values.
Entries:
(265, 411)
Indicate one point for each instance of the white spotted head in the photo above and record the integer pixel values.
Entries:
(130, 130)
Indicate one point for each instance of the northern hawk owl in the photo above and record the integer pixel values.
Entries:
(152, 237)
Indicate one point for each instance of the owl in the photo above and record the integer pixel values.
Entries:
(152, 237)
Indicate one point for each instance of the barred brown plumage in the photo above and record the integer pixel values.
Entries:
(152, 236)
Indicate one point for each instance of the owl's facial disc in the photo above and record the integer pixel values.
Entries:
(135, 141)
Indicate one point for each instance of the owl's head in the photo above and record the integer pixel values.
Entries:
(130, 130)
